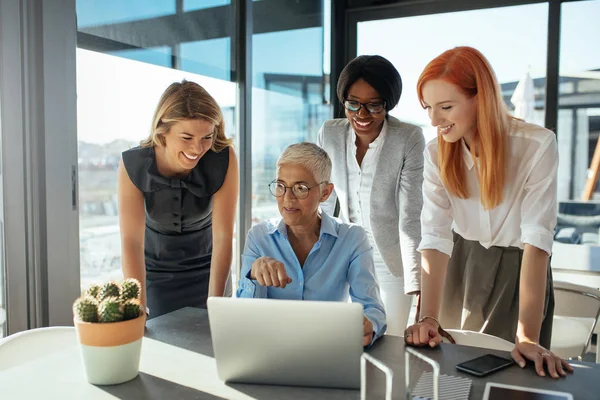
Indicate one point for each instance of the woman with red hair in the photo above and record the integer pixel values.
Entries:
(489, 212)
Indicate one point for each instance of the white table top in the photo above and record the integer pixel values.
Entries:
(58, 374)
(177, 363)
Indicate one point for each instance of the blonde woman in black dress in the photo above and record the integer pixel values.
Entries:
(178, 194)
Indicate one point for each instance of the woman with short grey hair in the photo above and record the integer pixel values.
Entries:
(308, 255)
(313, 158)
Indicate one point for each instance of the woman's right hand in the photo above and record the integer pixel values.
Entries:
(424, 333)
(270, 272)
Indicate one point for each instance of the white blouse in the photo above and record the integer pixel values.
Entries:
(529, 208)
(360, 184)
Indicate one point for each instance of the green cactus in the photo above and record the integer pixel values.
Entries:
(130, 289)
(110, 289)
(93, 291)
(85, 309)
(110, 310)
(110, 302)
(131, 309)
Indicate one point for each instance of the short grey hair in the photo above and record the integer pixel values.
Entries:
(310, 156)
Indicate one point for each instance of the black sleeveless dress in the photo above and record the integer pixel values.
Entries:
(178, 239)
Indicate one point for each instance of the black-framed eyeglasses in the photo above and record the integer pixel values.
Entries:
(355, 106)
(299, 190)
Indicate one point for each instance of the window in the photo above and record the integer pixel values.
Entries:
(579, 102)
(517, 55)
(289, 98)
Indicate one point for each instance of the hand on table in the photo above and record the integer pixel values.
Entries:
(270, 272)
(532, 351)
(424, 333)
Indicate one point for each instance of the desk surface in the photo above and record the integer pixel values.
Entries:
(177, 362)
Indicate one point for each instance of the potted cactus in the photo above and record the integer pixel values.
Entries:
(109, 321)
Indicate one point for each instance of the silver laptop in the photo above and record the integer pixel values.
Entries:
(287, 342)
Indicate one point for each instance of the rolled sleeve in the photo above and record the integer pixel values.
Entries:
(364, 287)
(436, 217)
(540, 206)
(247, 287)
(411, 206)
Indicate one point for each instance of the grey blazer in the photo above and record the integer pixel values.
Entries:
(396, 197)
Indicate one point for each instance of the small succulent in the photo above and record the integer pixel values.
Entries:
(109, 303)
(131, 309)
(93, 291)
(110, 310)
(110, 289)
(130, 289)
(86, 309)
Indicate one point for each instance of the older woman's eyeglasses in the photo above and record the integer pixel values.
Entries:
(355, 106)
(299, 190)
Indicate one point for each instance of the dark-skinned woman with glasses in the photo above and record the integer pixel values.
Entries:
(306, 254)
(378, 175)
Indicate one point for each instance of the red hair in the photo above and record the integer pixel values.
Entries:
(466, 68)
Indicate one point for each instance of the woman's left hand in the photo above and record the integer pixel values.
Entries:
(555, 365)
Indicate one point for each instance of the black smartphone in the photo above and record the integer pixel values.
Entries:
(484, 365)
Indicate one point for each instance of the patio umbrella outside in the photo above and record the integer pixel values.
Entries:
(523, 99)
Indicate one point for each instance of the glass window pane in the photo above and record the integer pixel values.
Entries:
(117, 92)
(576, 243)
(514, 53)
(207, 57)
(160, 56)
(288, 102)
(101, 12)
(191, 5)
(579, 97)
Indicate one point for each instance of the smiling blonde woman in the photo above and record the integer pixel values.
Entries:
(177, 202)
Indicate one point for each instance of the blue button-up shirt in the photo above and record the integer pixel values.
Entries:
(339, 264)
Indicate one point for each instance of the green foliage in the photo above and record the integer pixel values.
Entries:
(86, 309)
(131, 309)
(110, 310)
(110, 302)
(110, 289)
(93, 291)
(130, 289)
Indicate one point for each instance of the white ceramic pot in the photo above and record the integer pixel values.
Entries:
(111, 350)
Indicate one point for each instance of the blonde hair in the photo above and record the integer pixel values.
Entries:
(310, 156)
(466, 68)
(184, 101)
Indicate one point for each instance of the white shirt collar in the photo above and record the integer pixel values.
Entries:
(378, 140)
(467, 156)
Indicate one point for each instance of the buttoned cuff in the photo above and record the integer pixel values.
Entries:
(537, 237)
(251, 289)
(379, 326)
(430, 242)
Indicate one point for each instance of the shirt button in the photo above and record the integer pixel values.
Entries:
(176, 198)
(300, 283)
